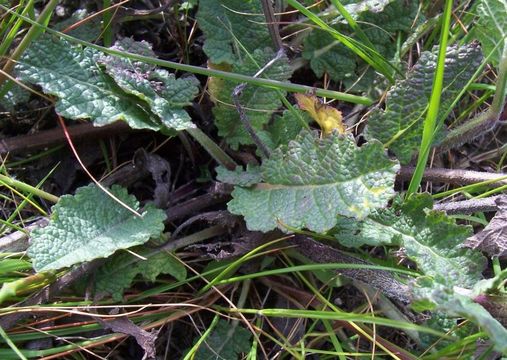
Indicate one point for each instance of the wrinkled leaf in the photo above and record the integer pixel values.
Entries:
(493, 239)
(259, 102)
(165, 94)
(225, 342)
(328, 117)
(231, 26)
(118, 273)
(91, 225)
(71, 73)
(491, 28)
(400, 125)
(286, 127)
(430, 238)
(308, 183)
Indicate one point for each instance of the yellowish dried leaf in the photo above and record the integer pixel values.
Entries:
(326, 116)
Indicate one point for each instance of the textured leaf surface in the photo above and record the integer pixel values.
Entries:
(377, 19)
(430, 238)
(91, 225)
(238, 176)
(308, 183)
(493, 239)
(230, 25)
(71, 73)
(165, 94)
(225, 342)
(491, 27)
(259, 102)
(401, 123)
(118, 273)
(444, 298)
(286, 127)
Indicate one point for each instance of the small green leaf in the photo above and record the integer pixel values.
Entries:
(286, 127)
(238, 176)
(445, 299)
(400, 125)
(91, 225)
(259, 102)
(230, 26)
(119, 272)
(311, 181)
(165, 94)
(491, 27)
(71, 73)
(225, 342)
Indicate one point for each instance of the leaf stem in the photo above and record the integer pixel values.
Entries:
(213, 149)
(28, 188)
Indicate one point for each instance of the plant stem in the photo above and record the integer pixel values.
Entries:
(28, 188)
(213, 149)
(434, 104)
(240, 78)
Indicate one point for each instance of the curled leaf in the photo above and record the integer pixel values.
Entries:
(326, 116)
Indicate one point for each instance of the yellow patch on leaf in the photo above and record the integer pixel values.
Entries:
(326, 116)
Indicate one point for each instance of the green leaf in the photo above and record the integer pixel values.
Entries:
(379, 21)
(430, 238)
(238, 176)
(88, 30)
(165, 94)
(491, 27)
(231, 25)
(91, 225)
(400, 125)
(311, 181)
(118, 273)
(445, 299)
(225, 342)
(259, 102)
(71, 73)
(286, 127)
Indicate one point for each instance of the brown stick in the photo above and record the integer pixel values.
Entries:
(469, 206)
(453, 176)
(26, 143)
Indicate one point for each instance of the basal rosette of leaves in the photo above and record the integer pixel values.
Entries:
(144, 97)
(400, 124)
(91, 225)
(311, 181)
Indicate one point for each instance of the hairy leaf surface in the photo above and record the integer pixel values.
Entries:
(118, 273)
(72, 74)
(400, 125)
(231, 26)
(91, 225)
(308, 183)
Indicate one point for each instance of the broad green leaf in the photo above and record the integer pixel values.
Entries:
(308, 183)
(430, 238)
(400, 125)
(379, 21)
(226, 342)
(286, 127)
(88, 30)
(443, 298)
(238, 176)
(72, 74)
(119, 272)
(230, 26)
(259, 102)
(491, 27)
(165, 94)
(91, 225)
(16, 95)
